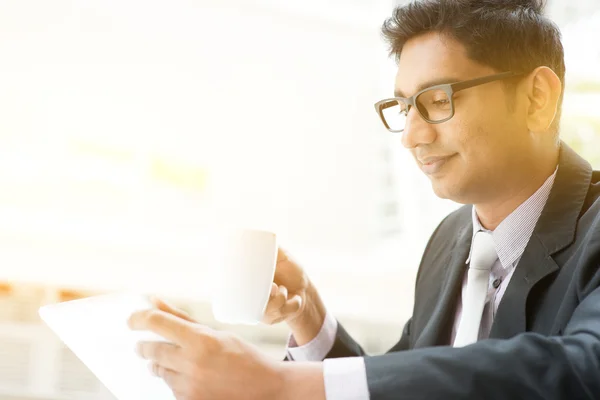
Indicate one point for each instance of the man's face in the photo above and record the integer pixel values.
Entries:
(484, 146)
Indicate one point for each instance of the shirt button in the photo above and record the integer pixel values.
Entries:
(497, 283)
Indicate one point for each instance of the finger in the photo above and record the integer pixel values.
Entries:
(281, 255)
(274, 290)
(284, 264)
(156, 369)
(277, 301)
(166, 307)
(168, 326)
(167, 355)
(177, 382)
(173, 379)
(283, 291)
(293, 305)
(180, 395)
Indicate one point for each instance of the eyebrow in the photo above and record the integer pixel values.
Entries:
(427, 84)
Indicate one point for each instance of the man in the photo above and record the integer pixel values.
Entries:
(507, 299)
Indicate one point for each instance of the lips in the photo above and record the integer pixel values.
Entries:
(432, 160)
(433, 164)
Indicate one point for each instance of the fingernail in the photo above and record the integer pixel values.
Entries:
(152, 369)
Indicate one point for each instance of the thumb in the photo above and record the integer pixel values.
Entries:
(166, 307)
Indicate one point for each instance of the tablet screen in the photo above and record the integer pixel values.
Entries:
(96, 330)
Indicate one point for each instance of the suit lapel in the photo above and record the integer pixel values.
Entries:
(554, 231)
(511, 317)
(438, 329)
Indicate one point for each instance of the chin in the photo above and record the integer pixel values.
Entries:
(441, 194)
(440, 189)
(444, 189)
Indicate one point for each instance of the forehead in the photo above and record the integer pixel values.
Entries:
(434, 57)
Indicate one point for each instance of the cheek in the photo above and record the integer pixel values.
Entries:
(475, 130)
(498, 118)
(454, 135)
(477, 147)
(477, 134)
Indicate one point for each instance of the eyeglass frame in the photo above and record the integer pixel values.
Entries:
(448, 88)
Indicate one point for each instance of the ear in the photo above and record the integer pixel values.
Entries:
(543, 92)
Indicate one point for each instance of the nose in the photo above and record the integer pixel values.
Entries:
(417, 131)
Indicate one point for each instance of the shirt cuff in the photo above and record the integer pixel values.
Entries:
(345, 379)
(319, 347)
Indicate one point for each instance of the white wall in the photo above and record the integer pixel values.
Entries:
(273, 100)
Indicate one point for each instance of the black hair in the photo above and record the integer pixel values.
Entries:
(507, 35)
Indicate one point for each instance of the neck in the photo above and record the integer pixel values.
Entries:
(492, 213)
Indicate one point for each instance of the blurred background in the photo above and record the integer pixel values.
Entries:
(130, 129)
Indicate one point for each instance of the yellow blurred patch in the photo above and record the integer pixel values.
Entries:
(182, 175)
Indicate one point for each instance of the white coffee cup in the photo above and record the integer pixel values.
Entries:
(244, 270)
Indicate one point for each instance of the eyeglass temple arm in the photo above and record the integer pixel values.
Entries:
(480, 81)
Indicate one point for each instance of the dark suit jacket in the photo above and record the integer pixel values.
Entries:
(545, 339)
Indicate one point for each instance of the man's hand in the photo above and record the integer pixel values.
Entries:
(294, 300)
(203, 364)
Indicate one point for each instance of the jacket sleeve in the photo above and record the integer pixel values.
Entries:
(527, 366)
(346, 346)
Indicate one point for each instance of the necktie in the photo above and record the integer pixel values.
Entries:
(483, 256)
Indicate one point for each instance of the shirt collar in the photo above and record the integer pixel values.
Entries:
(513, 233)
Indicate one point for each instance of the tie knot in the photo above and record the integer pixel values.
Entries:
(483, 253)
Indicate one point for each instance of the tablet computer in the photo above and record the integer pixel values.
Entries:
(95, 329)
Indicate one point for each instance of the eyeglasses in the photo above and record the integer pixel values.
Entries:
(435, 104)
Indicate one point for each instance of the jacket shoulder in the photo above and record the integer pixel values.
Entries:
(453, 223)
(444, 237)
